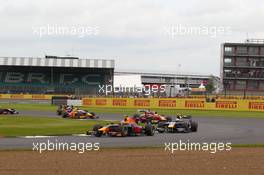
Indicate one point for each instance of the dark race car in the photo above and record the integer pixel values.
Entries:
(146, 116)
(181, 124)
(123, 130)
(8, 111)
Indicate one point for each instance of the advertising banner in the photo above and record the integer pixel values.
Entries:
(194, 104)
(226, 104)
(119, 102)
(167, 103)
(256, 105)
(142, 103)
(101, 102)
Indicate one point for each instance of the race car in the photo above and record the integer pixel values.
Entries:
(64, 108)
(8, 111)
(181, 124)
(145, 116)
(69, 111)
(76, 113)
(122, 130)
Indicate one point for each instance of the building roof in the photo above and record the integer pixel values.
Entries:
(243, 44)
(56, 62)
(169, 75)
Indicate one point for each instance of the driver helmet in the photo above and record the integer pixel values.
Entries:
(179, 115)
(125, 118)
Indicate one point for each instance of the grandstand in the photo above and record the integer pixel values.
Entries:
(54, 75)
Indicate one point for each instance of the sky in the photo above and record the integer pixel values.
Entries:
(165, 36)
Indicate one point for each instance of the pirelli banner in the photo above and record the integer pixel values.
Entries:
(175, 103)
(26, 96)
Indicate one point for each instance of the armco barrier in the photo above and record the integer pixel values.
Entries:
(176, 103)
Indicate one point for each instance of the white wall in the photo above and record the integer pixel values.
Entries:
(127, 80)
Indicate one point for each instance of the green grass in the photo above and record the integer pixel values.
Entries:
(11, 126)
(129, 111)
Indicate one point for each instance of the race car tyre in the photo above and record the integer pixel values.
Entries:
(65, 115)
(194, 126)
(78, 115)
(125, 132)
(96, 131)
(149, 130)
(166, 129)
(187, 128)
(93, 114)
(161, 129)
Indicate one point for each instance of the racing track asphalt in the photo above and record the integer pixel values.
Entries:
(214, 129)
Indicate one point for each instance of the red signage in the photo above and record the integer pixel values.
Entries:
(87, 102)
(167, 103)
(194, 104)
(142, 103)
(256, 105)
(226, 104)
(101, 102)
(119, 102)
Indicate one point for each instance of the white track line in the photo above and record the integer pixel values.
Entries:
(81, 135)
(36, 137)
